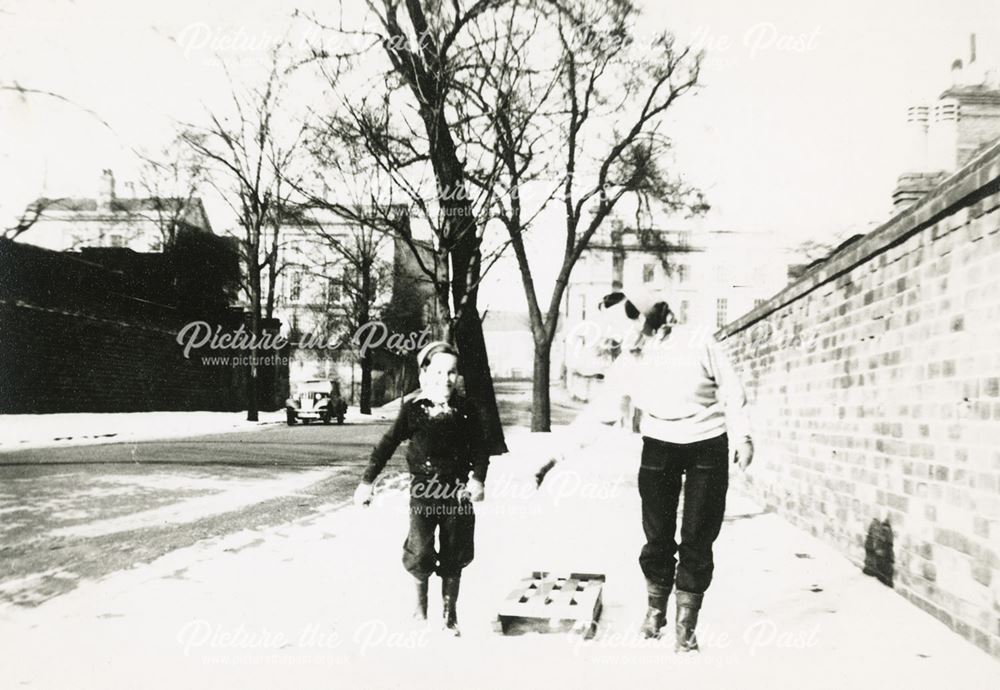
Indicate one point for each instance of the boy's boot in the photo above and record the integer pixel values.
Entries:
(449, 595)
(420, 611)
(688, 605)
(656, 612)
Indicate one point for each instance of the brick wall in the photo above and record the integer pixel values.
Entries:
(58, 361)
(875, 385)
(76, 336)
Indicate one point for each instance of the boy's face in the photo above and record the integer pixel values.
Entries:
(618, 330)
(438, 380)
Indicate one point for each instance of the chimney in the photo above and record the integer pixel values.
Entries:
(913, 186)
(106, 190)
(956, 73)
(972, 48)
(917, 117)
(942, 139)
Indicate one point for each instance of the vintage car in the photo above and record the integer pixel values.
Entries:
(315, 399)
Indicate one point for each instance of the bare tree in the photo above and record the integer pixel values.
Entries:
(586, 118)
(171, 181)
(407, 122)
(252, 158)
(35, 211)
(27, 219)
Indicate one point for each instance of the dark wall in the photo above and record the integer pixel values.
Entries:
(76, 335)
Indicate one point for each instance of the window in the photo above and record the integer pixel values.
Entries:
(681, 272)
(648, 273)
(617, 267)
(429, 314)
(721, 307)
(683, 315)
(295, 287)
(333, 291)
(117, 241)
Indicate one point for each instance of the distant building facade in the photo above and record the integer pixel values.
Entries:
(139, 223)
(711, 277)
(134, 268)
(314, 299)
(510, 344)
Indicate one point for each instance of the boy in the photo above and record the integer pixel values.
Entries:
(446, 444)
(692, 409)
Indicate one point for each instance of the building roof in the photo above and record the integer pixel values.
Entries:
(80, 208)
(499, 320)
(983, 94)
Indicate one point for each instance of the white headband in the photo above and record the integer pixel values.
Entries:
(429, 347)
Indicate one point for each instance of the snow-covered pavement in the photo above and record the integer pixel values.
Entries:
(26, 431)
(324, 603)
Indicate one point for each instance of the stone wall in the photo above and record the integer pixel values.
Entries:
(875, 386)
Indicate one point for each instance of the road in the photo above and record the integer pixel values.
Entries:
(83, 512)
(76, 513)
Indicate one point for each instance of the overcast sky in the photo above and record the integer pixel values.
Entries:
(797, 129)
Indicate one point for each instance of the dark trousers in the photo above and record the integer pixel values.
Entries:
(454, 521)
(704, 469)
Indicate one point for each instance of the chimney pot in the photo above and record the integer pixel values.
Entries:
(106, 190)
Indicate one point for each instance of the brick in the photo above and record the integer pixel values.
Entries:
(982, 574)
(991, 387)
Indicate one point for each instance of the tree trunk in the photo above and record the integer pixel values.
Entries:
(254, 275)
(475, 368)
(463, 250)
(252, 402)
(365, 397)
(364, 314)
(540, 400)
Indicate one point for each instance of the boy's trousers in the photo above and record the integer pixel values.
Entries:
(704, 468)
(454, 521)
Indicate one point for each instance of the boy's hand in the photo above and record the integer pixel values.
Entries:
(544, 469)
(743, 454)
(475, 490)
(363, 494)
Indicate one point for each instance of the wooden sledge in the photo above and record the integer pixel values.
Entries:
(548, 602)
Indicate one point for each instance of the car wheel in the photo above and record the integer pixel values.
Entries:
(326, 418)
(290, 418)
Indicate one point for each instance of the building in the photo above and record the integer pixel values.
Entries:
(945, 135)
(318, 292)
(712, 277)
(164, 259)
(139, 223)
(510, 344)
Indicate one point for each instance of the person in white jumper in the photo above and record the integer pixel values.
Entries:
(678, 385)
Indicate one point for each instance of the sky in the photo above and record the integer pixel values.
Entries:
(796, 129)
